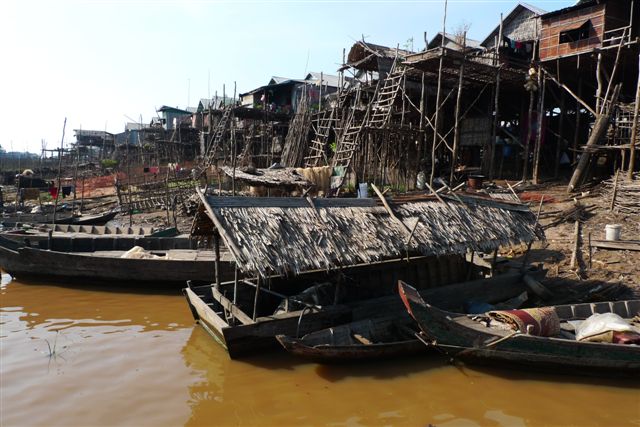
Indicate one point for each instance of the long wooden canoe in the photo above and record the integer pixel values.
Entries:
(388, 335)
(108, 267)
(61, 218)
(464, 338)
(89, 242)
(370, 339)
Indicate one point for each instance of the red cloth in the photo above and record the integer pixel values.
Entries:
(53, 191)
(626, 337)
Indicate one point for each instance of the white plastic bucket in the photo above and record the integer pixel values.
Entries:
(612, 231)
(363, 190)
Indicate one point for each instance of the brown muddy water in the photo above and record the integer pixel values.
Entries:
(87, 356)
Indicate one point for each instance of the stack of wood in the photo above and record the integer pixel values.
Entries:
(577, 212)
(296, 141)
(623, 193)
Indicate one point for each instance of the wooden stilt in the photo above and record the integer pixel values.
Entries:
(496, 107)
(576, 135)
(435, 124)
(599, 129)
(456, 133)
(560, 139)
(525, 163)
(541, 113)
(600, 84)
(255, 299)
(634, 130)
(216, 245)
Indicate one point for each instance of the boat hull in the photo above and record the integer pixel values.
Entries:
(52, 266)
(458, 339)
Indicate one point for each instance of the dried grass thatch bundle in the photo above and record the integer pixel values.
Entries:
(292, 235)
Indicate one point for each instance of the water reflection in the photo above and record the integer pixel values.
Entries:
(85, 356)
(276, 390)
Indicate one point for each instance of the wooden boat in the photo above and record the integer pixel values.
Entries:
(83, 238)
(61, 218)
(462, 337)
(108, 266)
(369, 339)
(251, 324)
(392, 334)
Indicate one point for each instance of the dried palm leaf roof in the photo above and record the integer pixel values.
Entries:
(282, 177)
(280, 235)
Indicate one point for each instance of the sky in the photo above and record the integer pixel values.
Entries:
(103, 63)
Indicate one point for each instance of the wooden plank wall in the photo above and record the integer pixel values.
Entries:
(550, 47)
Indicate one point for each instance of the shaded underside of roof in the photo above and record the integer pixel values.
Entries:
(165, 108)
(293, 235)
(478, 70)
(365, 56)
(577, 6)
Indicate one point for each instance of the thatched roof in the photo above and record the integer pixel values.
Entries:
(282, 177)
(292, 235)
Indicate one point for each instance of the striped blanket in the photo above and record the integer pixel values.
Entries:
(544, 321)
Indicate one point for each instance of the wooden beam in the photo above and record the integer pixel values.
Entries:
(613, 193)
(570, 92)
(624, 245)
(599, 129)
(231, 307)
(537, 288)
(389, 211)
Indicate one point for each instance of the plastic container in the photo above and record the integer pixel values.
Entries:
(612, 232)
(363, 190)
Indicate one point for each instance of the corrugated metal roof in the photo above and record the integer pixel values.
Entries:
(471, 43)
(327, 79)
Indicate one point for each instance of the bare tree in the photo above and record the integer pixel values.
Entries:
(460, 30)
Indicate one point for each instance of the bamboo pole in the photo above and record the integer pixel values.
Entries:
(55, 204)
(525, 165)
(576, 135)
(255, 300)
(613, 193)
(615, 67)
(496, 106)
(556, 167)
(536, 156)
(216, 245)
(577, 97)
(599, 80)
(634, 129)
(422, 112)
(129, 185)
(456, 133)
(576, 244)
(439, 89)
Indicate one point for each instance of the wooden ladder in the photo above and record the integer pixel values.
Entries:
(383, 104)
(328, 121)
(377, 116)
(216, 139)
